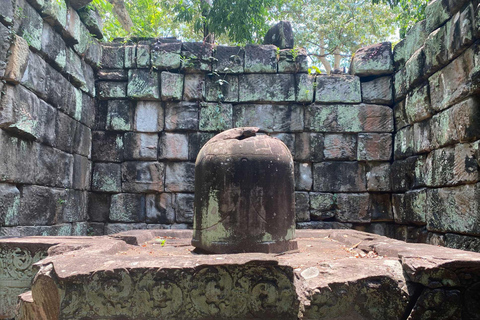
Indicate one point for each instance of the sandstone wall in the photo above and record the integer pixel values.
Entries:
(47, 107)
(161, 100)
(435, 175)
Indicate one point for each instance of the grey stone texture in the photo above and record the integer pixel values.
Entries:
(338, 89)
(127, 207)
(266, 88)
(260, 59)
(172, 86)
(106, 177)
(160, 208)
(149, 116)
(179, 177)
(378, 91)
(142, 176)
(373, 60)
(173, 146)
(140, 146)
(181, 116)
(143, 84)
(270, 118)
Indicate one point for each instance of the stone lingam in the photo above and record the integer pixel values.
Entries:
(244, 194)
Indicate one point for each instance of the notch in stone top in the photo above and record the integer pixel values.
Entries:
(244, 194)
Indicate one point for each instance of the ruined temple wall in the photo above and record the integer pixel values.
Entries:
(161, 100)
(435, 175)
(47, 108)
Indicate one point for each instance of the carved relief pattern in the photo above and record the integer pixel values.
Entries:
(206, 292)
(16, 275)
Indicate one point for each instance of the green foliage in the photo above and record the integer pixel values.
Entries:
(149, 17)
(343, 25)
(240, 21)
(408, 12)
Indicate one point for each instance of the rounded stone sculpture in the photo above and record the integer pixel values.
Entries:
(244, 194)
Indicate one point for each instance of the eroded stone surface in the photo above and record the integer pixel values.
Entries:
(335, 274)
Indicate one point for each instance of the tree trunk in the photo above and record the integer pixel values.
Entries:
(323, 59)
(338, 58)
(122, 14)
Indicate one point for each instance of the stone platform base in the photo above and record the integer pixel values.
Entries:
(334, 274)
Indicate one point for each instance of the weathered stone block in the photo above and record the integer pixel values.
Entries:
(149, 116)
(402, 174)
(269, 118)
(31, 25)
(348, 118)
(7, 36)
(404, 143)
(221, 88)
(130, 56)
(8, 11)
(53, 46)
(140, 146)
(400, 84)
(323, 225)
(229, 59)
(304, 87)
(142, 176)
(113, 56)
(194, 87)
(172, 86)
(303, 176)
(380, 207)
(107, 146)
(293, 61)
(410, 207)
(413, 41)
(106, 177)
(415, 68)
(82, 172)
(417, 105)
(373, 60)
(197, 57)
(143, 56)
(72, 28)
(54, 168)
(92, 20)
(143, 84)
(215, 116)
(420, 175)
(82, 141)
(94, 53)
(9, 203)
(260, 59)
(35, 75)
(457, 124)
(454, 209)
(343, 89)
(196, 141)
(374, 147)
(309, 146)
(266, 87)
(339, 177)
(353, 207)
(120, 115)
(109, 89)
(180, 177)
(288, 139)
(126, 207)
(422, 141)
(322, 205)
(439, 11)
(173, 146)
(17, 60)
(65, 132)
(450, 85)
(302, 207)
(400, 116)
(181, 116)
(38, 206)
(378, 177)
(460, 31)
(457, 241)
(98, 206)
(378, 90)
(73, 206)
(160, 208)
(340, 147)
(89, 75)
(451, 165)
(184, 207)
(166, 56)
(280, 35)
(57, 89)
(436, 52)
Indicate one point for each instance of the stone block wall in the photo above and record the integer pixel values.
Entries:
(160, 100)
(47, 110)
(435, 174)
